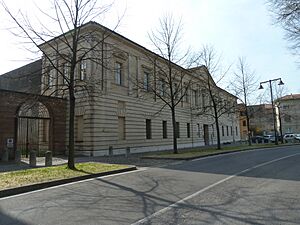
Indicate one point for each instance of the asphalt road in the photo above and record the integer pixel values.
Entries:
(254, 187)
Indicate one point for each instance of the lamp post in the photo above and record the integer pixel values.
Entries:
(273, 108)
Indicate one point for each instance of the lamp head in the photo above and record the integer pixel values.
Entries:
(260, 87)
(280, 82)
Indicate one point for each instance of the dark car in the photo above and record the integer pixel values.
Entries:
(257, 139)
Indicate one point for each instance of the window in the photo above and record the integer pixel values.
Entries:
(223, 131)
(236, 131)
(121, 128)
(82, 70)
(148, 129)
(177, 130)
(203, 100)
(244, 123)
(231, 131)
(188, 130)
(146, 81)
(187, 96)
(118, 73)
(227, 131)
(195, 97)
(66, 73)
(79, 131)
(198, 129)
(162, 87)
(165, 129)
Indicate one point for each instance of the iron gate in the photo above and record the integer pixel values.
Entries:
(33, 129)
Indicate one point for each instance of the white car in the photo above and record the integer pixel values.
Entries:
(297, 137)
(289, 138)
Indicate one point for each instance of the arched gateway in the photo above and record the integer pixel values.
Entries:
(34, 128)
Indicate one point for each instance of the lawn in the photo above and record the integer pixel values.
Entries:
(39, 175)
(194, 153)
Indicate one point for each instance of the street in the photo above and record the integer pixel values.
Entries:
(253, 187)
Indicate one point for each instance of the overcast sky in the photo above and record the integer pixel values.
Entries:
(234, 27)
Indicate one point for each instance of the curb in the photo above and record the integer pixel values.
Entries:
(34, 187)
(217, 153)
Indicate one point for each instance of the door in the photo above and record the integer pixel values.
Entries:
(206, 134)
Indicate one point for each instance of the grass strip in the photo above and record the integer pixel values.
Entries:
(191, 153)
(39, 175)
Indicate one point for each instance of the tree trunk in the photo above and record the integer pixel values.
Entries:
(71, 161)
(218, 133)
(175, 150)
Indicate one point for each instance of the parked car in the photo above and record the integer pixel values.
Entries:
(269, 138)
(288, 138)
(257, 139)
(297, 137)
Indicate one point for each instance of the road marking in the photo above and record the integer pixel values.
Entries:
(177, 204)
(75, 182)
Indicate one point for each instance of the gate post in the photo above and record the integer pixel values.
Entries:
(32, 158)
(48, 158)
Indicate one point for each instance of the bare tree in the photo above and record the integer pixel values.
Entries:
(66, 49)
(219, 101)
(169, 82)
(243, 85)
(287, 13)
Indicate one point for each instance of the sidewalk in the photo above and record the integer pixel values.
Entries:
(134, 159)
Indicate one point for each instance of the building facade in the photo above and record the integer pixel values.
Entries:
(288, 110)
(115, 104)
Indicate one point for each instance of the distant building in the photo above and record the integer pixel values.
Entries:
(289, 109)
(261, 119)
(24, 79)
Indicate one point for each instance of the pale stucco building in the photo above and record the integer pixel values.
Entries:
(113, 110)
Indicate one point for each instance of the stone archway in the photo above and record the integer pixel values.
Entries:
(33, 128)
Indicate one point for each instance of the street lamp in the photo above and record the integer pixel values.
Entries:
(273, 108)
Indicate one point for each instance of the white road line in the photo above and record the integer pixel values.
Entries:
(177, 204)
(75, 182)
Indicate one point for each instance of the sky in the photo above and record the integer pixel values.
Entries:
(236, 28)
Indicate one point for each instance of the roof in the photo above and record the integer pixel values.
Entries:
(290, 97)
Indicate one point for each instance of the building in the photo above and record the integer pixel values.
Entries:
(261, 119)
(288, 110)
(114, 102)
(24, 79)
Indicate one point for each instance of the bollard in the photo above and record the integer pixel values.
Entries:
(17, 156)
(48, 158)
(5, 155)
(110, 151)
(127, 151)
(32, 158)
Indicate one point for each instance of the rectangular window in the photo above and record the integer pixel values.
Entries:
(121, 128)
(79, 130)
(146, 81)
(188, 130)
(244, 123)
(223, 131)
(195, 97)
(118, 73)
(231, 131)
(236, 131)
(83, 70)
(66, 73)
(165, 129)
(177, 130)
(162, 87)
(203, 101)
(187, 96)
(198, 129)
(148, 129)
(227, 131)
